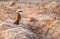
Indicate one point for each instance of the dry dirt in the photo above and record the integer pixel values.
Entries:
(38, 21)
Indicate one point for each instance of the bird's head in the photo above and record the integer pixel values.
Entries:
(19, 11)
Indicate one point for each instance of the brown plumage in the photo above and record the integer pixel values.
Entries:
(17, 18)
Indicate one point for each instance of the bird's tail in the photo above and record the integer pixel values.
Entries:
(16, 22)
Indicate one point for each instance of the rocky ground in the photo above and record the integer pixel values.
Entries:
(38, 20)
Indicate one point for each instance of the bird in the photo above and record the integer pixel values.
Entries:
(17, 18)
